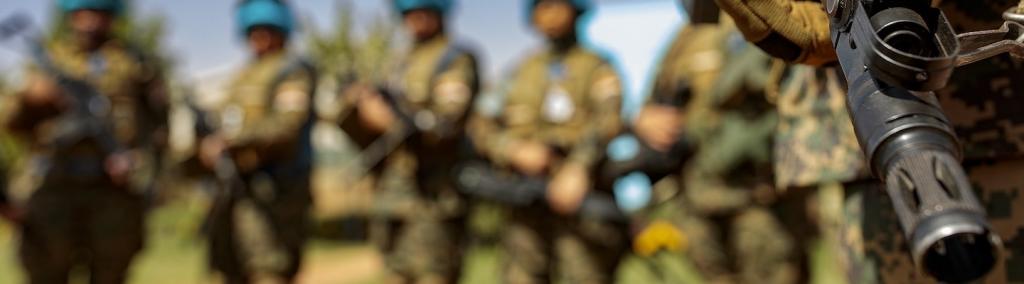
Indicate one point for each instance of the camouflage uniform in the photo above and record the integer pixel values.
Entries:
(267, 120)
(980, 104)
(76, 212)
(744, 233)
(438, 84)
(570, 100)
(817, 158)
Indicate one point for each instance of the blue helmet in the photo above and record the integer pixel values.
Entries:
(274, 13)
(442, 6)
(113, 6)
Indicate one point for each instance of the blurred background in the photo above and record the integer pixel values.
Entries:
(200, 46)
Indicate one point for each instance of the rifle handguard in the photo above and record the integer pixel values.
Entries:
(480, 180)
(892, 55)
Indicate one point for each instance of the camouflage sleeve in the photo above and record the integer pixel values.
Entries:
(515, 121)
(604, 119)
(456, 90)
(795, 31)
(288, 113)
(481, 129)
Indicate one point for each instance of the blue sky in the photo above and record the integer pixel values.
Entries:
(202, 34)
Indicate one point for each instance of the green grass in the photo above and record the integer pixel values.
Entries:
(9, 270)
(482, 265)
(175, 253)
(175, 250)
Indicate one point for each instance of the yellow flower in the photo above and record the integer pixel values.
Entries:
(659, 235)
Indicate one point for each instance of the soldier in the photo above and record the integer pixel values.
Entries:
(815, 160)
(713, 87)
(263, 153)
(91, 106)
(975, 101)
(424, 110)
(562, 108)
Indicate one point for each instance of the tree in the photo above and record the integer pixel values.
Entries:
(343, 53)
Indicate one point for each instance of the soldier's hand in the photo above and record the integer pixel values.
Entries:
(659, 126)
(374, 112)
(568, 188)
(210, 150)
(43, 91)
(119, 167)
(529, 157)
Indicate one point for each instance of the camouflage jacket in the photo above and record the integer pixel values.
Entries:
(267, 116)
(720, 80)
(570, 100)
(436, 85)
(815, 143)
(439, 83)
(132, 83)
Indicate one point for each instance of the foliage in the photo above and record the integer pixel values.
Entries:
(344, 51)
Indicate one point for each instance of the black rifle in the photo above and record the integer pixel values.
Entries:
(654, 163)
(893, 55)
(411, 123)
(481, 180)
(382, 147)
(230, 184)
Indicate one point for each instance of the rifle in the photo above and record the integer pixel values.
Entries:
(481, 180)
(410, 124)
(89, 117)
(893, 55)
(653, 163)
(229, 189)
(382, 147)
